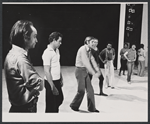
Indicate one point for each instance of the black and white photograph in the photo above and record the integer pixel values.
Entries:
(74, 62)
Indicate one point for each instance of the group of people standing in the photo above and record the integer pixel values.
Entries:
(24, 84)
(88, 65)
(128, 58)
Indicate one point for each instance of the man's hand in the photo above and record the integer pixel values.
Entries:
(129, 60)
(105, 61)
(134, 60)
(33, 93)
(97, 74)
(54, 90)
(61, 82)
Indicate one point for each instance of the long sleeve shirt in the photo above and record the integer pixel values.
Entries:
(85, 59)
(23, 82)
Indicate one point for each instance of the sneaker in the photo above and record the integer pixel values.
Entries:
(129, 82)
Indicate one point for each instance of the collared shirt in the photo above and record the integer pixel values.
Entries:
(23, 82)
(85, 59)
(51, 58)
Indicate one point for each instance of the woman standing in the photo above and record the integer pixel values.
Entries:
(141, 60)
(130, 55)
(123, 60)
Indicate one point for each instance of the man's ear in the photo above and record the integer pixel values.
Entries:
(26, 38)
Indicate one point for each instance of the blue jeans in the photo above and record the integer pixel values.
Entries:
(130, 66)
(141, 68)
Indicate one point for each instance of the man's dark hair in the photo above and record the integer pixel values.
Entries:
(54, 36)
(126, 44)
(20, 30)
(142, 46)
(110, 42)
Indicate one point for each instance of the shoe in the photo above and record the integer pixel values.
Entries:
(107, 86)
(119, 74)
(129, 82)
(112, 87)
(74, 108)
(103, 94)
(95, 111)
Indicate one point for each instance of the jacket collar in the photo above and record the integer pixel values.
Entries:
(87, 48)
(19, 49)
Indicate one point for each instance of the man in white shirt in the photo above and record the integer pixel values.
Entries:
(53, 77)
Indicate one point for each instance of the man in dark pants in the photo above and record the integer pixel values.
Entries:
(53, 78)
(95, 52)
(23, 82)
(83, 68)
(123, 60)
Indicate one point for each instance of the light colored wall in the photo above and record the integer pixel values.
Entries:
(144, 30)
(121, 31)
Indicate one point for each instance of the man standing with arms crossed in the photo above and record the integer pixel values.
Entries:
(83, 67)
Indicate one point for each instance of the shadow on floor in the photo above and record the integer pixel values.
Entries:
(96, 94)
(134, 88)
(100, 95)
(83, 111)
(125, 97)
(139, 81)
